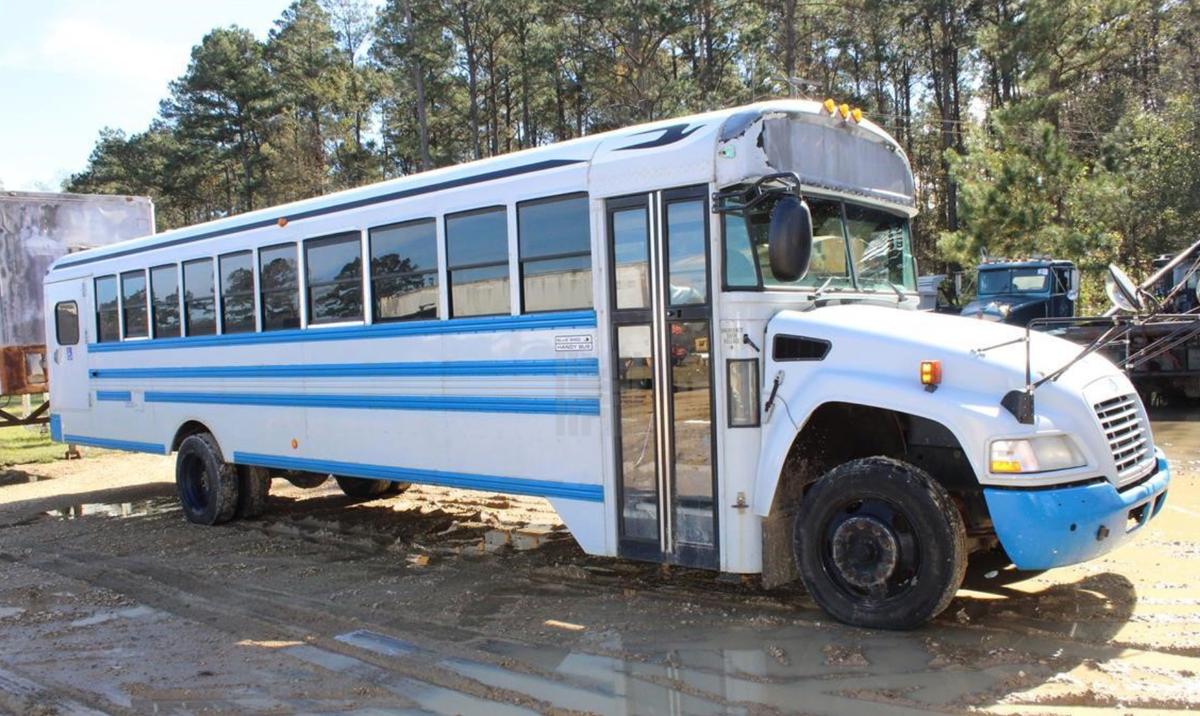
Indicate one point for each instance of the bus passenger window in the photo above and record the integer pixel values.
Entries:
(108, 321)
(279, 285)
(199, 319)
(133, 304)
(237, 292)
(556, 254)
(477, 259)
(66, 323)
(164, 300)
(333, 268)
(404, 271)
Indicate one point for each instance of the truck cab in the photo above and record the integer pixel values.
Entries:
(1018, 291)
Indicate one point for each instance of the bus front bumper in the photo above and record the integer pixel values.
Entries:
(1045, 528)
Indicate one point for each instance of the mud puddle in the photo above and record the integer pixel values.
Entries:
(135, 508)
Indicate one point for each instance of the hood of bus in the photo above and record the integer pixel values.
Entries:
(874, 358)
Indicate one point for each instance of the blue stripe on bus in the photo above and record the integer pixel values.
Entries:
(123, 396)
(131, 445)
(554, 406)
(539, 321)
(56, 427)
(281, 212)
(584, 366)
(488, 483)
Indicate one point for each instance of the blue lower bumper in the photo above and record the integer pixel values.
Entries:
(1043, 528)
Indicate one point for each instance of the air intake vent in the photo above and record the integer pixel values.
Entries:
(799, 348)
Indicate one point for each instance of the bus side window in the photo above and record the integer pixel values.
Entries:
(198, 297)
(66, 323)
(133, 304)
(333, 268)
(108, 314)
(555, 253)
(279, 286)
(164, 300)
(237, 292)
(477, 262)
(404, 271)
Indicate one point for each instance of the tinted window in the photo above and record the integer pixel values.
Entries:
(556, 256)
(198, 310)
(404, 271)
(66, 323)
(133, 304)
(237, 292)
(164, 300)
(280, 291)
(334, 271)
(108, 322)
(477, 258)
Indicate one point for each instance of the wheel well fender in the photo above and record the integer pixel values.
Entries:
(797, 407)
(186, 430)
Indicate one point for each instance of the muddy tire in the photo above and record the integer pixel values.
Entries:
(206, 484)
(254, 488)
(361, 488)
(304, 480)
(880, 544)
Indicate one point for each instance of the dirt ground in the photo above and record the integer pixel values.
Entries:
(444, 601)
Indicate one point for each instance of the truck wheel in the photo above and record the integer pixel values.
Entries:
(304, 480)
(395, 488)
(879, 543)
(254, 488)
(362, 488)
(207, 485)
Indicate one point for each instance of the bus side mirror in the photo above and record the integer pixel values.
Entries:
(1073, 287)
(790, 239)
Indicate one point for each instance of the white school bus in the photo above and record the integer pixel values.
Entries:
(696, 338)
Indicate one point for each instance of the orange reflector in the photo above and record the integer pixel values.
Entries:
(830, 106)
(931, 372)
(282, 222)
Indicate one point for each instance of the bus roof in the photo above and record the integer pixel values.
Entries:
(581, 150)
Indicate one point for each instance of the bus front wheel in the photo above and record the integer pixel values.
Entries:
(879, 543)
(207, 485)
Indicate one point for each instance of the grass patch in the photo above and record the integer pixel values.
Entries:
(21, 446)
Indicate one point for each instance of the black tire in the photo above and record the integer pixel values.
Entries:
(361, 488)
(206, 484)
(304, 480)
(395, 488)
(254, 488)
(880, 544)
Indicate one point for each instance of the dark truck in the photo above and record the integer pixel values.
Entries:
(1018, 291)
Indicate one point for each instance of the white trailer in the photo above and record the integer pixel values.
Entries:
(696, 338)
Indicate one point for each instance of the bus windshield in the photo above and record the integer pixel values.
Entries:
(854, 247)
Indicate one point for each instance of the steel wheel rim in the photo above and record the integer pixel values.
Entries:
(870, 550)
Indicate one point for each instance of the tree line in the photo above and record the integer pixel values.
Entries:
(1066, 127)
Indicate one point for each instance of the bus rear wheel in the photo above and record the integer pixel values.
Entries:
(362, 488)
(879, 543)
(254, 488)
(207, 485)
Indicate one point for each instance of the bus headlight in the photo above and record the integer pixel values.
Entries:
(1040, 454)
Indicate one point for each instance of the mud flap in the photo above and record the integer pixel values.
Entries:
(778, 559)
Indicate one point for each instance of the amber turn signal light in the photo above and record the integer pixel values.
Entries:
(931, 372)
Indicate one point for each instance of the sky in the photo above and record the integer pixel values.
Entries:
(69, 68)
